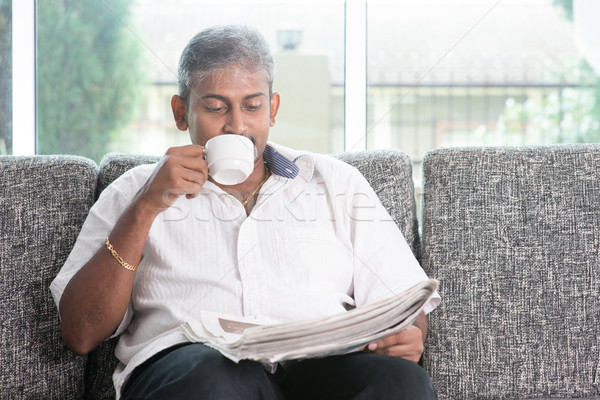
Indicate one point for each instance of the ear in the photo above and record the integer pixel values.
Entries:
(179, 112)
(275, 99)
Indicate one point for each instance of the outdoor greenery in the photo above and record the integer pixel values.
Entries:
(89, 75)
(565, 115)
(566, 5)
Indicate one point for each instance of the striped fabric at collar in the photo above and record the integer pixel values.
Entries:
(279, 164)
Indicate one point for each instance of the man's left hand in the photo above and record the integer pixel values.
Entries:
(409, 343)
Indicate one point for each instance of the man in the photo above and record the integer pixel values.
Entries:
(304, 236)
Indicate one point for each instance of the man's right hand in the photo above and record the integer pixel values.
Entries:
(182, 171)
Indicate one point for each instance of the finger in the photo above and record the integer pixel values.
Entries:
(180, 181)
(193, 188)
(387, 341)
(395, 350)
(190, 150)
(410, 350)
(194, 176)
(179, 167)
(189, 157)
(402, 351)
(189, 189)
(409, 336)
(192, 162)
(182, 171)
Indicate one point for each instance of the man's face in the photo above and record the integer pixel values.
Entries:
(232, 102)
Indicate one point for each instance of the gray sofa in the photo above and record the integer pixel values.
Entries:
(512, 234)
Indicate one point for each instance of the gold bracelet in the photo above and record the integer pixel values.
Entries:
(119, 259)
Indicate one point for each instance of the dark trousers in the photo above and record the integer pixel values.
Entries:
(194, 371)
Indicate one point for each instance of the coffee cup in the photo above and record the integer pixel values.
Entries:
(230, 158)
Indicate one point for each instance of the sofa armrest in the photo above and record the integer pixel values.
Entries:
(44, 201)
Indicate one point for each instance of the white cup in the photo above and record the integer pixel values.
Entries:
(230, 158)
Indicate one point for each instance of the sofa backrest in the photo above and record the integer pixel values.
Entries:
(513, 236)
(44, 201)
(388, 171)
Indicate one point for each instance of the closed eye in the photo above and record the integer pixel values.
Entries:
(251, 107)
(215, 110)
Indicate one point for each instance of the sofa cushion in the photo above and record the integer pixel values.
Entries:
(44, 201)
(389, 173)
(513, 236)
(114, 165)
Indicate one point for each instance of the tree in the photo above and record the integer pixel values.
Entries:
(567, 6)
(89, 75)
(565, 115)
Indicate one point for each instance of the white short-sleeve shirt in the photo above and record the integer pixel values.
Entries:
(317, 242)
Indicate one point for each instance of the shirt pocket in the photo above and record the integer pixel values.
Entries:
(314, 259)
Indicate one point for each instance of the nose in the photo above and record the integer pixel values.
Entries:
(235, 122)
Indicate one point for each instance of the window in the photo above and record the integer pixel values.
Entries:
(466, 72)
(107, 71)
(355, 74)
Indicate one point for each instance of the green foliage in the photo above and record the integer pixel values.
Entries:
(564, 115)
(569, 114)
(566, 5)
(5, 76)
(89, 75)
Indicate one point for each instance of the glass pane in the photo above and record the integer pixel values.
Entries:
(467, 72)
(5, 77)
(90, 75)
(107, 71)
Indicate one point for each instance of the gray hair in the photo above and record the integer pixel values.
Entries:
(214, 49)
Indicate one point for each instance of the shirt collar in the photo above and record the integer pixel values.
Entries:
(288, 163)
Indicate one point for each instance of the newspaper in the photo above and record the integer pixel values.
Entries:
(244, 338)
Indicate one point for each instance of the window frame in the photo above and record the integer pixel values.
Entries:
(23, 77)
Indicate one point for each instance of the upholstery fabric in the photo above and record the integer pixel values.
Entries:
(513, 236)
(44, 201)
(114, 165)
(389, 172)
